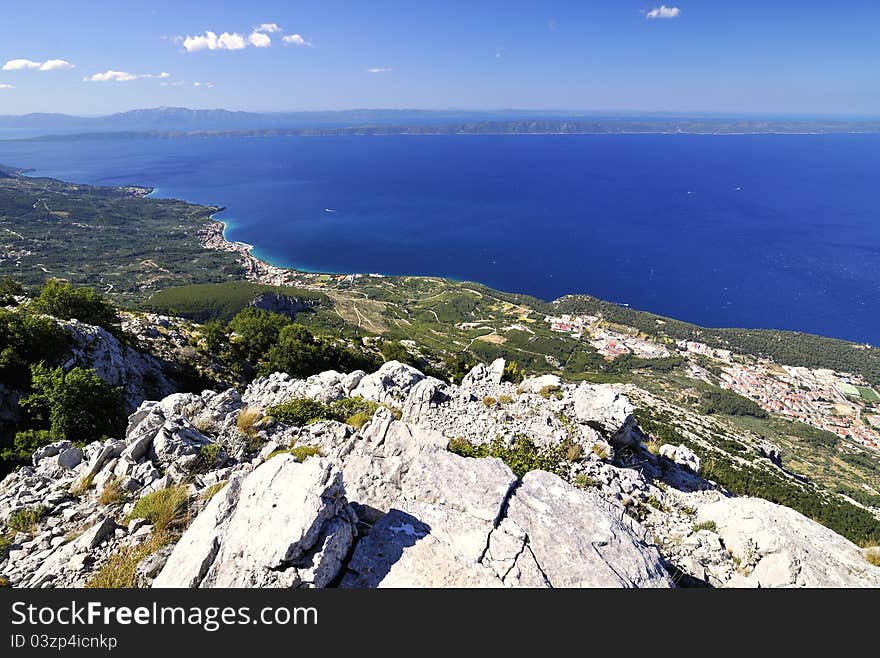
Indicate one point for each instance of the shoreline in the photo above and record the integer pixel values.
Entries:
(256, 269)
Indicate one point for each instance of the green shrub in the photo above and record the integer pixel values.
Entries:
(209, 455)
(512, 373)
(505, 399)
(76, 405)
(24, 445)
(61, 300)
(711, 526)
(301, 354)
(584, 481)
(550, 391)
(257, 331)
(301, 411)
(9, 290)
(489, 401)
(304, 452)
(346, 409)
(26, 339)
(521, 456)
(164, 509)
(26, 520)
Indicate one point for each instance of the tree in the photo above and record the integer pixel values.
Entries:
(76, 405)
(9, 290)
(63, 301)
(24, 445)
(26, 339)
(257, 331)
(301, 354)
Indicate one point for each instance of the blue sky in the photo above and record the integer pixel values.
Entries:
(742, 56)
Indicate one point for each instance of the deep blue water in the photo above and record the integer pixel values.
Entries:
(757, 231)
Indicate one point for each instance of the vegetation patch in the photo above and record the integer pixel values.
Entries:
(26, 520)
(113, 493)
(711, 526)
(165, 509)
(521, 456)
(119, 572)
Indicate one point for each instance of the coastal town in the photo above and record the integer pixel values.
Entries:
(839, 403)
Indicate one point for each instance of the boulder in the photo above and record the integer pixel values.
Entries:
(391, 384)
(681, 455)
(607, 410)
(286, 524)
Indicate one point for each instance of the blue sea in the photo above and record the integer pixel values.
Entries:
(769, 231)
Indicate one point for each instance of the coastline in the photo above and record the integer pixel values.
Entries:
(255, 269)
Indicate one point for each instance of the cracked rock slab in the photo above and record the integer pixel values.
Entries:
(571, 538)
(286, 524)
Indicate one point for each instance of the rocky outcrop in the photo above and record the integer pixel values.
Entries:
(139, 375)
(277, 303)
(388, 505)
(774, 546)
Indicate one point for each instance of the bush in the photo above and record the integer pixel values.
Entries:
(301, 411)
(63, 301)
(76, 405)
(24, 445)
(9, 290)
(164, 509)
(521, 456)
(356, 412)
(209, 455)
(584, 481)
(257, 331)
(301, 354)
(489, 401)
(512, 373)
(551, 391)
(26, 520)
(304, 452)
(711, 526)
(26, 339)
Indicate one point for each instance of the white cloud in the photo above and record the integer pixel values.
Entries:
(56, 65)
(5, 86)
(378, 70)
(21, 65)
(268, 27)
(210, 41)
(663, 12)
(123, 76)
(184, 83)
(209, 85)
(296, 40)
(260, 40)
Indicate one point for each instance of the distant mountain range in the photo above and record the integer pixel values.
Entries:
(176, 121)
